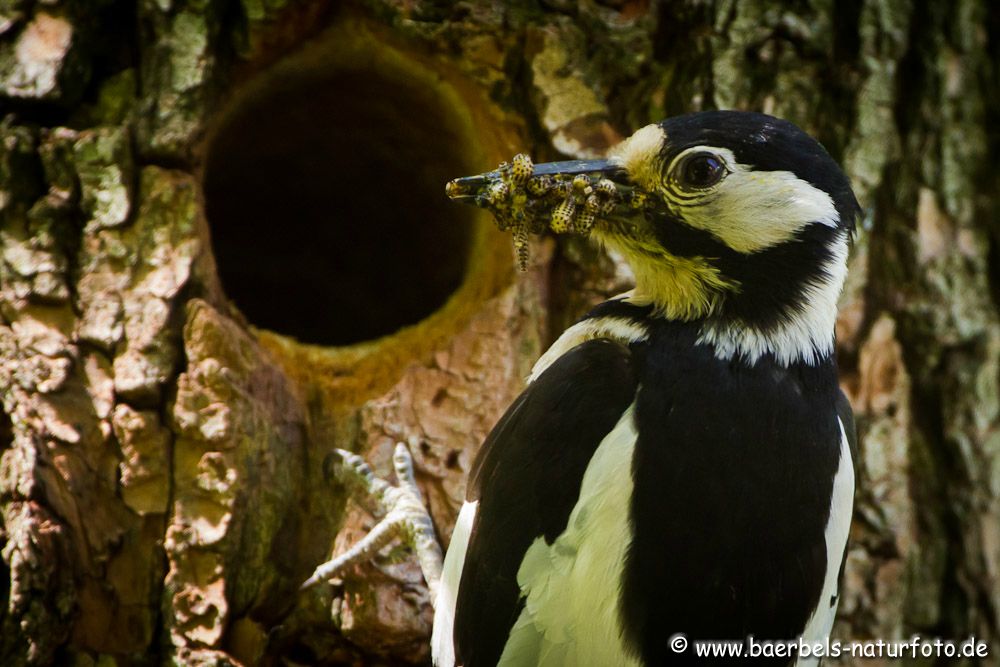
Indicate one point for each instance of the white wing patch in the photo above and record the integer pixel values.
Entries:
(442, 641)
(837, 528)
(620, 329)
(571, 613)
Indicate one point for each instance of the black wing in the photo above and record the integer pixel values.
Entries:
(847, 419)
(527, 478)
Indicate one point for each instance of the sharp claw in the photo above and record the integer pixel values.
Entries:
(406, 518)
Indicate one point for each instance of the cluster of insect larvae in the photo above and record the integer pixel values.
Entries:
(525, 201)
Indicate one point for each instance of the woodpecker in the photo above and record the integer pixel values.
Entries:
(681, 461)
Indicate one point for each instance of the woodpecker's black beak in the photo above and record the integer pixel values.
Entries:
(467, 189)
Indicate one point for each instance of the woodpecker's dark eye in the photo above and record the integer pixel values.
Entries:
(701, 170)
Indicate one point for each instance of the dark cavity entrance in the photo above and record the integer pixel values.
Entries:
(325, 196)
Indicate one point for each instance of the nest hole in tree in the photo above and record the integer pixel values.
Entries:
(324, 191)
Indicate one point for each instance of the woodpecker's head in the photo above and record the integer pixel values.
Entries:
(740, 220)
(746, 225)
(748, 217)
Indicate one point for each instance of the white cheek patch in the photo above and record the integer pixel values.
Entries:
(639, 155)
(753, 210)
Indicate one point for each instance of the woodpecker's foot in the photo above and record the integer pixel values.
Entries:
(560, 196)
(406, 518)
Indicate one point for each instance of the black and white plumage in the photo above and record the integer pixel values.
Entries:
(681, 460)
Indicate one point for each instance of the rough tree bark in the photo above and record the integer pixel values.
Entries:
(162, 482)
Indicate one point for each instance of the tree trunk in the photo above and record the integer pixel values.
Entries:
(226, 252)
